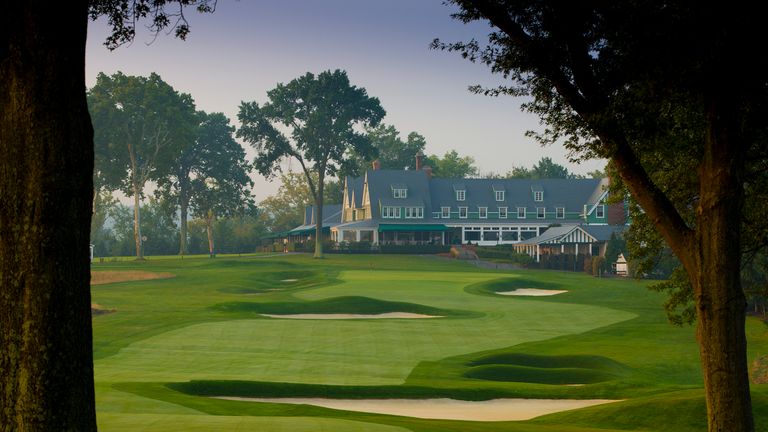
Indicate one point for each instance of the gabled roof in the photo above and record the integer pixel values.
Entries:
(562, 235)
(380, 190)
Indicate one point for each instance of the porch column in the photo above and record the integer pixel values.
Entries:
(562, 248)
(577, 249)
(357, 236)
(443, 238)
(375, 236)
(538, 254)
(462, 235)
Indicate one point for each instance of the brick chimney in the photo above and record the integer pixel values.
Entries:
(419, 155)
(428, 169)
(376, 165)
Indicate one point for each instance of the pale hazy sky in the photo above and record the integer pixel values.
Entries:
(246, 47)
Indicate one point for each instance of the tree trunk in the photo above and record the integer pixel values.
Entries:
(137, 222)
(319, 217)
(183, 206)
(720, 302)
(46, 191)
(209, 228)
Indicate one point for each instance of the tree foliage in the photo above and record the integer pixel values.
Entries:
(545, 168)
(451, 165)
(322, 116)
(641, 83)
(391, 151)
(141, 124)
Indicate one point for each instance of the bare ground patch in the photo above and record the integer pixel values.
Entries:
(97, 309)
(113, 276)
(446, 409)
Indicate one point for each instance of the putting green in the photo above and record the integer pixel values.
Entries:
(345, 352)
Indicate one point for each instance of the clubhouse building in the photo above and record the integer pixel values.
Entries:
(535, 216)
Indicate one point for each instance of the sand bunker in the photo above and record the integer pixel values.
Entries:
(97, 309)
(289, 280)
(352, 316)
(447, 409)
(112, 276)
(534, 292)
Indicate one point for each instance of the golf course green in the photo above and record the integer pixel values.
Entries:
(166, 349)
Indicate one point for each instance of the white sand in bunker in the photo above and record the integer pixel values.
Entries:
(405, 315)
(446, 409)
(533, 292)
(289, 280)
(113, 276)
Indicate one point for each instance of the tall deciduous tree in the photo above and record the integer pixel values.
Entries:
(392, 152)
(623, 79)
(323, 116)
(220, 186)
(46, 187)
(143, 123)
(212, 150)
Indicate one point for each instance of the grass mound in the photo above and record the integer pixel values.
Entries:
(263, 282)
(334, 305)
(538, 375)
(565, 369)
(510, 284)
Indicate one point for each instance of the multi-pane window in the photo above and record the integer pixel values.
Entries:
(445, 212)
(499, 195)
(462, 212)
(414, 212)
(400, 193)
(538, 196)
(390, 212)
(483, 212)
(502, 212)
(600, 212)
(521, 212)
(560, 212)
(461, 195)
(540, 212)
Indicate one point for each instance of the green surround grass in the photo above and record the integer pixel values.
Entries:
(167, 333)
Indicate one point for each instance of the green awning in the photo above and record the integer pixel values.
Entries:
(412, 228)
(326, 229)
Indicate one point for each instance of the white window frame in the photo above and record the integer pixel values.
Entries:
(465, 211)
(483, 212)
(414, 212)
(400, 193)
(559, 212)
(502, 212)
(461, 195)
(538, 196)
(499, 195)
(541, 212)
(445, 212)
(390, 212)
(521, 215)
(600, 212)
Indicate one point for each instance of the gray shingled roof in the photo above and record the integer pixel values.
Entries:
(380, 189)
(331, 216)
(569, 193)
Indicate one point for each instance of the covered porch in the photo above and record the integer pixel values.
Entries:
(573, 240)
(412, 234)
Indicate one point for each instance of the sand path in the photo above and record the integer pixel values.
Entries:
(534, 292)
(351, 316)
(447, 409)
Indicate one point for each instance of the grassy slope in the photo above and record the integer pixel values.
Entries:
(168, 331)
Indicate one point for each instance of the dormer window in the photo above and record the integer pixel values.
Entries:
(499, 195)
(461, 195)
(538, 196)
(600, 212)
(399, 192)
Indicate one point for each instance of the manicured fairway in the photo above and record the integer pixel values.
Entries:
(204, 325)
